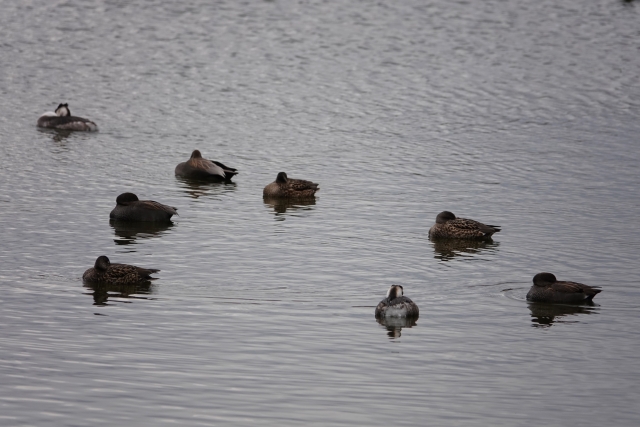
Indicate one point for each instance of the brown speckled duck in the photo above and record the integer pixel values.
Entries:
(397, 305)
(130, 208)
(117, 274)
(63, 120)
(288, 188)
(447, 226)
(547, 289)
(198, 168)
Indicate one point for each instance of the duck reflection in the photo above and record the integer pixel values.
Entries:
(543, 315)
(197, 188)
(102, 292)
(394, 325)
(448, 249)
(280, 206)
(59, 136)
(127, 232)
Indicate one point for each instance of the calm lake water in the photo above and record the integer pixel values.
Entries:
(522, 114)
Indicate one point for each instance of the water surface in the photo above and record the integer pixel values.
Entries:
(521, 114)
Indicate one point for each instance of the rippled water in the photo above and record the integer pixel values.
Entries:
(521, 114)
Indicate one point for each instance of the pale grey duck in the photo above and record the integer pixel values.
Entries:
(199, 168)
(63, 120)
(130, 208)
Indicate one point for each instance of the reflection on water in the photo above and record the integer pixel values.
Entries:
(196, 188)
(280, 206)
(57, 135)
(446, 250)
(102, 292)
(127, 232)
(394, 325)
(544, 315)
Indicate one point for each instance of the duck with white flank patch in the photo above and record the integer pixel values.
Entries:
(447, 226)
(397, 305)
(63, 120)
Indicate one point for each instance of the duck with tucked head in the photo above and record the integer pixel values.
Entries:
(397, 305)
(288, 188)
(117, 274)
(448, 226)
(547, 289)
(130, 208)
(63, 120)
(198, 168)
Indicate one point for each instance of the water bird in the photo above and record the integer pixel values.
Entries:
(546, 288)
(63, 120)
(395, 304)
(130, 208)
(288, 188)
(198, 168)
(447, 226)
(104, 271)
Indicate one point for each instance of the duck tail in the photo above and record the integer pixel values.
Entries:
(595, 292)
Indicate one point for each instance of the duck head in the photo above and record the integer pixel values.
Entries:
(444, 216)
(281, 178)
(544, 279)
(63, 110)
(395, 291)
(126, 198)
(196, 154)
(102, 263)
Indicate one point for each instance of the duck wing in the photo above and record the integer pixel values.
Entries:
(152, 205)
(472, 226)
(208, 166)
(227, 169)
(66, 123)
(301, 185)
(575, 288)
(121, 270)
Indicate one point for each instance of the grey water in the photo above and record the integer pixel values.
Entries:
(521, 114)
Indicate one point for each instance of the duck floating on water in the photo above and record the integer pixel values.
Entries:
(397, 305)
(199, 168)
(288, 188)
(546, 288)
(117, 274)
(130, 208)
(448, 226)
(63, 120)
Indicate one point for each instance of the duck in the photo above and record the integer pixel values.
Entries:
(288, 188)
(130, 208)
(63, 120)
(546, 288)
(395, 304)
(103, 271)
(448, 226)
(198, 168)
